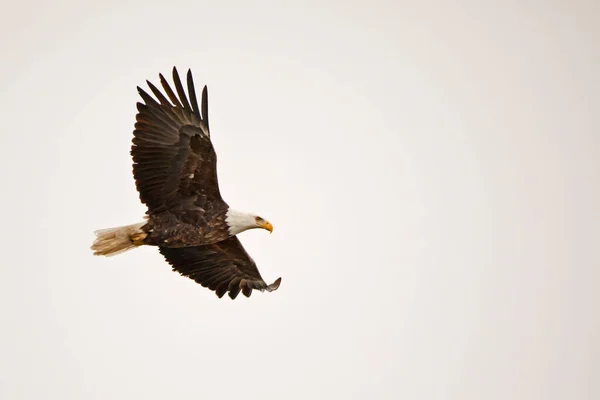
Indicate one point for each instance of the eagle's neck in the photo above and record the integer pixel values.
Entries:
(238, 221)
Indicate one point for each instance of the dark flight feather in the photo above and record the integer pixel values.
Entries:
(174, 160)
(205, 108)
(161, 97)
(223, 267)
(169, 91)
(192, 91)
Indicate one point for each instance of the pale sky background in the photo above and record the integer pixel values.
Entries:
(432, 171)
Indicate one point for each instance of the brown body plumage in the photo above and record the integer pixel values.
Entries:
(175, 173)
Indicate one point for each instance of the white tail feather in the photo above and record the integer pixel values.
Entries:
(113, 241)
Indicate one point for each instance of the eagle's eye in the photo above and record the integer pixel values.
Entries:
(259, 220)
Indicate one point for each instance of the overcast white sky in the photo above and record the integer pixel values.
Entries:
(432, 172)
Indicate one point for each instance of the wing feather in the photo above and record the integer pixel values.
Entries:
(205, 108)
(192, 91)
(163, 100)
(222, 267)
(175, 164)
(169, 91)
(180, 91)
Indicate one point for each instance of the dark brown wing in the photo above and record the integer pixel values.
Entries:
(222, 267)
(174, 162)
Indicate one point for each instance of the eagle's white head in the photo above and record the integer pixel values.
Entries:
(238, 222)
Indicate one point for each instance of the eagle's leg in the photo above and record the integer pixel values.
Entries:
(138, 238)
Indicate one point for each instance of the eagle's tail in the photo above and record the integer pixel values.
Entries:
(112, 241)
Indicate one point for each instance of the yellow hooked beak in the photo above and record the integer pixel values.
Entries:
(266, 225)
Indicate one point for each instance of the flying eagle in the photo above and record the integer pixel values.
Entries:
(175, 171)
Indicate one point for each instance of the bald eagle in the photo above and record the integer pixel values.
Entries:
(175, 171)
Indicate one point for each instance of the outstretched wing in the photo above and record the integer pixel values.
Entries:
(174, 162)
(222, 267)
